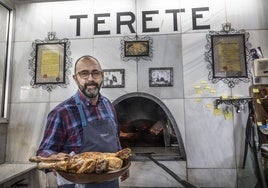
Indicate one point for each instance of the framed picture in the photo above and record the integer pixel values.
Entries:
(229, 56)
(114, 78)
(161, 77)
(50, 62)
(136, 48)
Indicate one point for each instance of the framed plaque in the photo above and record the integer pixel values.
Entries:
(228, 55)
(50, 62)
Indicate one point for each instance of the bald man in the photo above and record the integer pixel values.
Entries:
(84, 122)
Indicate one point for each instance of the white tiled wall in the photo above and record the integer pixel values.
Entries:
(214, 146)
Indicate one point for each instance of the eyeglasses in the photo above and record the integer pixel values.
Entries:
(85, 74)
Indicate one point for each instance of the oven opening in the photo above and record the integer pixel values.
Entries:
(147, 126)
(142, 133)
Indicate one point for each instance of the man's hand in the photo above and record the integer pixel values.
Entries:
(59, 155)
(124, 176)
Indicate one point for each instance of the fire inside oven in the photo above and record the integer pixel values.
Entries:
(146, 127)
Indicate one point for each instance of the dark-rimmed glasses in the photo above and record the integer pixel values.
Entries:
(85, 74)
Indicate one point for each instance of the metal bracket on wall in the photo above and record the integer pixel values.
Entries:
(237, 102)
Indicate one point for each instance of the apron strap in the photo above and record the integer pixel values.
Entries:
(80, 108)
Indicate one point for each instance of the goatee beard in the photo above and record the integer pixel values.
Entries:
(90, 92)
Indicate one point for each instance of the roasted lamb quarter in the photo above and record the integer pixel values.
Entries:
(114, 163)
(86, 162)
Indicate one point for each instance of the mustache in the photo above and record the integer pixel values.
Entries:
(91, 84)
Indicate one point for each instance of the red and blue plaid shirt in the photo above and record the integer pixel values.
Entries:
(64, 132)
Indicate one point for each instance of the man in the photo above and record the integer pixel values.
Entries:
(84, 122)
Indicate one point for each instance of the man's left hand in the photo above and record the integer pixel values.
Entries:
(124, 176)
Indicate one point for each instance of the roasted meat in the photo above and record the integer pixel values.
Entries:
(86, 162)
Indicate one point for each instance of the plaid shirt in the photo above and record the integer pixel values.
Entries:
(64, 132)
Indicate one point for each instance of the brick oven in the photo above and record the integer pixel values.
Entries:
(147, 126)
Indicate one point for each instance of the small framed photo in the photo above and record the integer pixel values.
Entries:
(136, 48)
(161, 77)
(114, 78)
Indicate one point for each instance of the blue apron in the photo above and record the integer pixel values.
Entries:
(98, 135)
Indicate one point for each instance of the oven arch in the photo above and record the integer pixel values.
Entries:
(164, 108)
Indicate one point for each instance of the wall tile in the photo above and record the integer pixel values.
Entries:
(35, 24)
(247, 14)
(3, 16)
(209, 140)
(22, 91)
(65, 27)
(24, 130)
(167, 53)
(159, 21)
(213, 177)
(211, 14)
(110, 22)
(195, 71)
(258, 38)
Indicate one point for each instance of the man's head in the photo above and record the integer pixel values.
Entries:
(88, 76)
